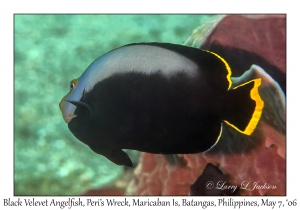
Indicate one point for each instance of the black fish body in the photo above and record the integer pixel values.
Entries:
(158, 98)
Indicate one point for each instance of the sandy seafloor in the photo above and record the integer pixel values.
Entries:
(50, 51)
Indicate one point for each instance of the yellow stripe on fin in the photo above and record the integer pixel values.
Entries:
(254, 94)
(226, 65)
(221, 130)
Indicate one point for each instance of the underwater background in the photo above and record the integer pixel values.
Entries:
(50, 51)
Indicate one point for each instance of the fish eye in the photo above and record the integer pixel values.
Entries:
(72, 85)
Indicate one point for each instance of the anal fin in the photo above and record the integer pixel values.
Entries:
(116, 156)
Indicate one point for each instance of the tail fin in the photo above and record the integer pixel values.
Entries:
(243, 107)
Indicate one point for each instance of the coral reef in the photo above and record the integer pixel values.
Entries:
(212, 181)
(243, 40)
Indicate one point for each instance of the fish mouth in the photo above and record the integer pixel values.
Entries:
(69, 118)
(65, 107)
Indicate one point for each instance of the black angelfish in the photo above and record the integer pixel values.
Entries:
(158, 98)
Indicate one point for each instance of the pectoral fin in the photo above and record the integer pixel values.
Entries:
(116, 156)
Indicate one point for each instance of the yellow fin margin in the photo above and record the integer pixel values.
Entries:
(226, 65)
(254, 94)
